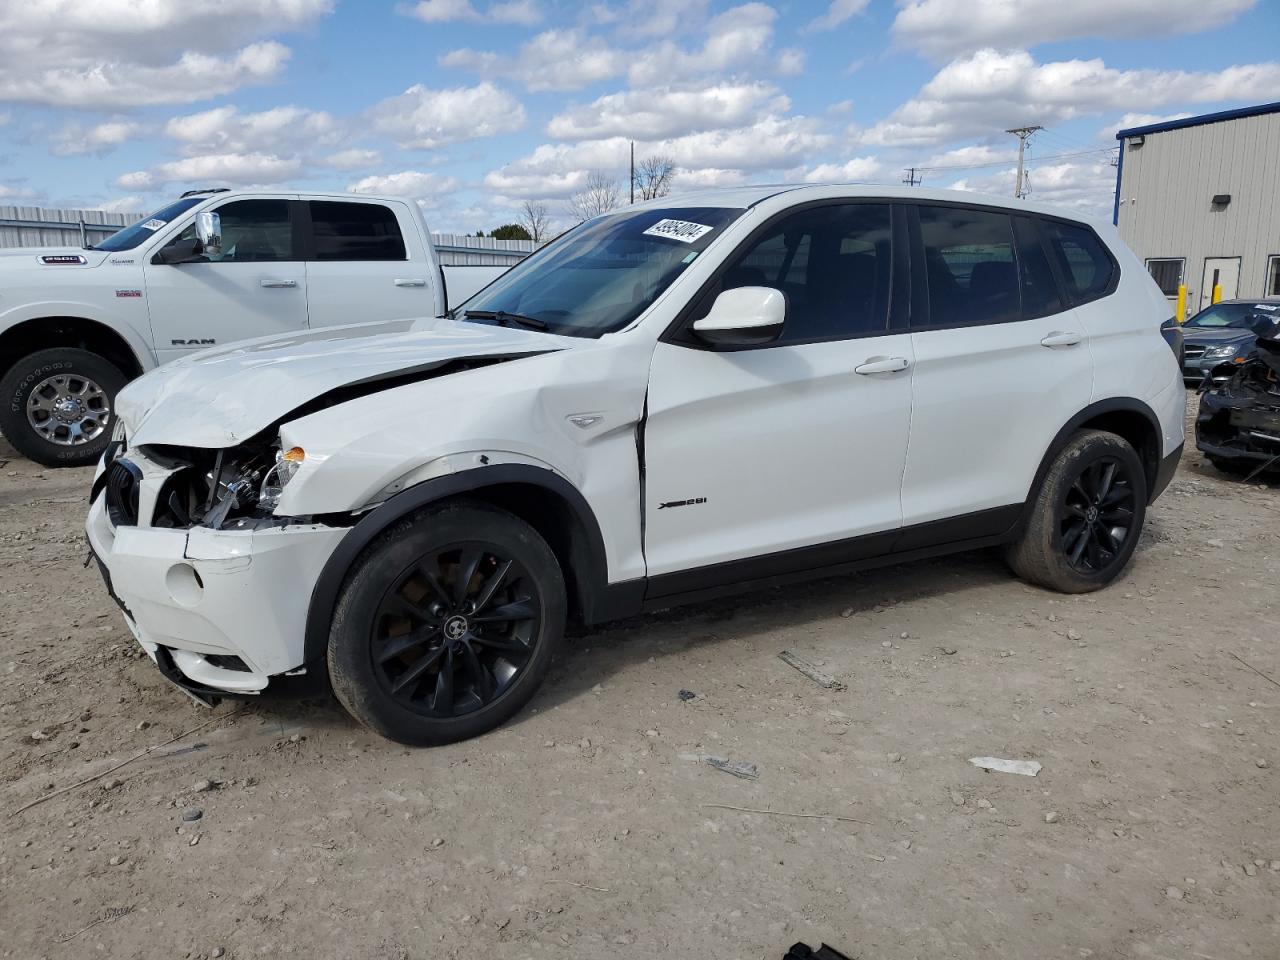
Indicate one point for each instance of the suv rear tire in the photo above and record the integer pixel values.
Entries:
(447, 624)
(1086, 518)
(56, 406)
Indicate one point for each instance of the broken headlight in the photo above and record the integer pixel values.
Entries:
(278, 476)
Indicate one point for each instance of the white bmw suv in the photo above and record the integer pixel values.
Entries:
(673, 401)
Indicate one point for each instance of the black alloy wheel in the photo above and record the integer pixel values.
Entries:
(455, 629)
(447, 624)
(1097, 515)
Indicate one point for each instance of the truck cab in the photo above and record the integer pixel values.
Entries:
(211, 268)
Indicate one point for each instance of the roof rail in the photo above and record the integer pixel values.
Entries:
(196, 193)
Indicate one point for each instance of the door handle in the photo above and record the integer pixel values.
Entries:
(411, 283)
(881, 365)
(279, 283)
(1060, 338)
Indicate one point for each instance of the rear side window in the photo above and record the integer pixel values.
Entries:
(1086, 266)
(971, 270)
(355, 231)
(1040, 296)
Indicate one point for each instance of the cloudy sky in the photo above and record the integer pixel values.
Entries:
(475, 105)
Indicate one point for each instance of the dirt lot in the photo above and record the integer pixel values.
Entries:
(584, 829)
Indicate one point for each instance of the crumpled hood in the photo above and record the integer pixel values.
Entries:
(221, 397)
(28, 258)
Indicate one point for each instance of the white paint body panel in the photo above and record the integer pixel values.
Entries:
(788, 445)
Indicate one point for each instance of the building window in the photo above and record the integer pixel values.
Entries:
(1273, 277)
(1167, 274)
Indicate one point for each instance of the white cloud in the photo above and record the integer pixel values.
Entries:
(838, 11)
(226, 130)
(652, 114)
(101, 139)
(214, 170)
(739, 38)
(125, 53)
(425, 119)
(652, 18)
(771, 143)
(553, 60)
(1137, 120)
(948, 27)
(352, 159)
(1087, 186)
(409, 183)
(123, 205)
(989, 91)
(523, 12)
(858, 168)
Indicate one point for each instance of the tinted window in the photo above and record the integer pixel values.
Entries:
(1085, 265)
(1242, 315)
(355, 231)
(834, 263)
(970, 267)
(254, 231)
(1040, 295)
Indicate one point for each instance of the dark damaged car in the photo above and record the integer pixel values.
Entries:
(1238, 426)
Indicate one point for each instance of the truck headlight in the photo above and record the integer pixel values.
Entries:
(278, 477)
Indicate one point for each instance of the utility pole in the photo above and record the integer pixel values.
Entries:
(911, 179)
(1022, 133)
(633, 171)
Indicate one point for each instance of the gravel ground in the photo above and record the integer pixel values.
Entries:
(588, 826)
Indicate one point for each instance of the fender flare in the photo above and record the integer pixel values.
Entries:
(120, 326)
(590, 569)
(1092, 411)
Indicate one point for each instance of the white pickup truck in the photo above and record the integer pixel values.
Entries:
(211, 268)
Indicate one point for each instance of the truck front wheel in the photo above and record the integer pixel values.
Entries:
(56, 406)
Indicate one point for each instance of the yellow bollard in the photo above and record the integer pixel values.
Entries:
(1181, 313)
(1217, 292)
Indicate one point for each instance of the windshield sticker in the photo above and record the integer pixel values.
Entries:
(153, 224)
(683, 230)
(1265, 306)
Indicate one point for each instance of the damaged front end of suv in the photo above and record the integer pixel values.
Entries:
(1238, 424)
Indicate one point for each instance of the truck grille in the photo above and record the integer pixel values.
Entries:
(124, 482)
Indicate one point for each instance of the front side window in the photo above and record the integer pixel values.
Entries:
(971, 270)
(602, 274)
(355, 231)
(1086, 266)
(834, 263)
(1167, 274)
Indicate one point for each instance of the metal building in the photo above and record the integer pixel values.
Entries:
(1199, 200)
(45, 227)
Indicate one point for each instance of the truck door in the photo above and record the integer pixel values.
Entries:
(361, 268)
(256, 286)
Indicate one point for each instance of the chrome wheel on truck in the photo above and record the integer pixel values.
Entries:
(56, 406)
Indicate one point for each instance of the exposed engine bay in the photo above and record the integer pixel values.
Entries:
(1238, 424)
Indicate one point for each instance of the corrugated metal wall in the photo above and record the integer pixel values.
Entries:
(1166, 192)
(48, 227)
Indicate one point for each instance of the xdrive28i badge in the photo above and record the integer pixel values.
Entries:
(682, 503)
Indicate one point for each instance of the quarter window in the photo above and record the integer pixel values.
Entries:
(1167, 274)
(1040, 296)
(355, 231)
(970, 267)
(1086, 266)
(834, 263)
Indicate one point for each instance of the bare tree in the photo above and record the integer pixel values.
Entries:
(535, 219)
(600, 195)
(653, 176)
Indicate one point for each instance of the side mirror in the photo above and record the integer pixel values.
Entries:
(209, 231)
(744, 316)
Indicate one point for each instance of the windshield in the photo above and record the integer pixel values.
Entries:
(603, 274)
(131, 236)
(1240, 315)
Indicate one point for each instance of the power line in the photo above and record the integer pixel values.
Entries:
(1023, 134)
(1006, 162)
(911, 179)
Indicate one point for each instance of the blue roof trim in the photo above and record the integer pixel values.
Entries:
(1257, 111)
